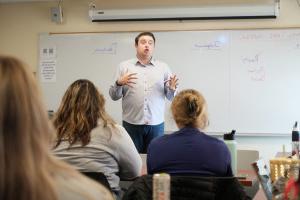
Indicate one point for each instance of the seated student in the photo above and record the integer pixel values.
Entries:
(28, 170)
(90, 140)
(189, 150)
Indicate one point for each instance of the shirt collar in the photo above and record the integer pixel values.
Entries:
(152, 62)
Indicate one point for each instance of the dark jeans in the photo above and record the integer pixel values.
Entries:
(142, 135)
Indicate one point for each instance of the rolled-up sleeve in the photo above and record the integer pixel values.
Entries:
(115, 92)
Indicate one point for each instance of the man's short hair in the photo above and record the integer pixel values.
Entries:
(142, 34)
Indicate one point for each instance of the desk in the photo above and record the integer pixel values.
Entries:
(250, 180)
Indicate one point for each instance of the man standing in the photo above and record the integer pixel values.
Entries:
(143, 83)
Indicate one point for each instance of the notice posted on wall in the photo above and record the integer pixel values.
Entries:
(48, 70)
(48, 64)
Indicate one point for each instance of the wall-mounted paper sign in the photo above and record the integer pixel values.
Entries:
(48, 70)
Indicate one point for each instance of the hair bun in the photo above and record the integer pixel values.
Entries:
(192, 108)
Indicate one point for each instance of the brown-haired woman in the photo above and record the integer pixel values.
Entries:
(28, 170)
(189, 150)
(90, 140)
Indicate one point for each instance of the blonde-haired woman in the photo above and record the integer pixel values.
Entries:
(28, 171)
(189, 150)
(90, 140)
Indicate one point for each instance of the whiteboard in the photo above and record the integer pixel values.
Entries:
(250, 78)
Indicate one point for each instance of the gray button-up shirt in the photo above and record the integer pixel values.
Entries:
(144, 102)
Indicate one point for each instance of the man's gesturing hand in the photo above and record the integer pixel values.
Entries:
(127, 79)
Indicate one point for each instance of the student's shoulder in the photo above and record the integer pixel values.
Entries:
(120, 129)
(214, 140)
(119, 134)
(161, 139)
(221, 144)
(109, 134)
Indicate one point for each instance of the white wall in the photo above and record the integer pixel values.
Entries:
(21, 23)
(267, 146)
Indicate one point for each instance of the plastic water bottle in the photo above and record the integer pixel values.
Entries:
(231, 144)
(295, 140)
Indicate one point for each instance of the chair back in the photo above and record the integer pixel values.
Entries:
(190, 188)
(98, 177)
